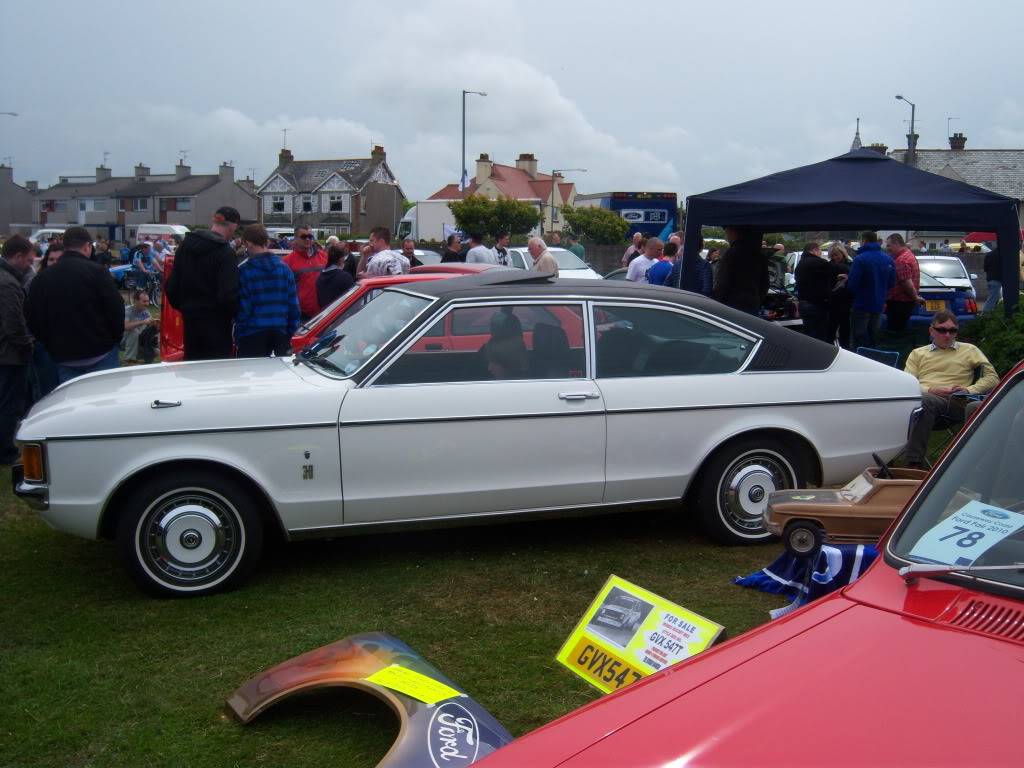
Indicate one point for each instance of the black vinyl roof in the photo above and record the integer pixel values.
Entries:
(783, 348)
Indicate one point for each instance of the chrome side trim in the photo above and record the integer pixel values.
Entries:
(296, 534)
(203, 431)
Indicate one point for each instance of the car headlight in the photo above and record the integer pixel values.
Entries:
(33, 463)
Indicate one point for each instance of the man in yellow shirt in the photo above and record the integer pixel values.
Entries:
(946, 371)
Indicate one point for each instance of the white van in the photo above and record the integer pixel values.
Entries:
(166, 232)
(43, 235)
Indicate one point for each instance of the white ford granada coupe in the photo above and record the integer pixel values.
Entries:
(473, 399)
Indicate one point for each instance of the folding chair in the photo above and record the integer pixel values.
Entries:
(883, 356)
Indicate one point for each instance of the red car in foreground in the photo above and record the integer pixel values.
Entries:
(920, 662)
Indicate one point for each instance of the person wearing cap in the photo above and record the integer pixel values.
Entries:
(203, 286)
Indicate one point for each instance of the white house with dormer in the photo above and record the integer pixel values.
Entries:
(343, 197)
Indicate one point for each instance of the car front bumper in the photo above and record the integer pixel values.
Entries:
(37, 496)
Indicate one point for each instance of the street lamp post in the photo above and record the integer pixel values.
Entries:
(463, 183)
(912, 136)
(555, 172)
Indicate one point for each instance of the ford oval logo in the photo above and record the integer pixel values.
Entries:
(995, 513)
(453, 737)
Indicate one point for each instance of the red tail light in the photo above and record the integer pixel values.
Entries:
(972, 306)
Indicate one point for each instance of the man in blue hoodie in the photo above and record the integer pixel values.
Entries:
(268, 304)
(872, 274)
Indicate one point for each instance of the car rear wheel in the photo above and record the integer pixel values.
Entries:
(192, 534)
(737, 481)
(802, 538)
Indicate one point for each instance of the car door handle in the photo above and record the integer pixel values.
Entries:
(578, 395)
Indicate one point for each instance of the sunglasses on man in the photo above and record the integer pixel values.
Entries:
(305, 237)
(950, 329)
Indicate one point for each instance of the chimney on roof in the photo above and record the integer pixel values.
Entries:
(102, 173)
(6, 173)
(957, 141)
(285, 156)
(227, 172)
(141, 171)
(32, 186)
(879, 148)
(378, 155)
(912, 148)
(527, 162)
(182, 171)
(483, 168)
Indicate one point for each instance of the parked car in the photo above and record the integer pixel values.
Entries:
(595, 395)
(941, 295)
(948, 270)
(924, 653)
(617, 274)
(569, 264)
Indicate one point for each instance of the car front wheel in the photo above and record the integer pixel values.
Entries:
(737, 481)
(195, 533)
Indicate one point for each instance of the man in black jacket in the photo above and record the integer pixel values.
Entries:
(814, 289)
(74, 309)
(742, 280)
(15, 341)
(203, 286)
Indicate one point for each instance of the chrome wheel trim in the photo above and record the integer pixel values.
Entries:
(190, 539)
(745, 486)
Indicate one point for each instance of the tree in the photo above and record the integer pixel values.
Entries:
(476, 213)
(597, 225)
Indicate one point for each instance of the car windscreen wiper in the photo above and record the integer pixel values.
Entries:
(911, 573)
(319, 349)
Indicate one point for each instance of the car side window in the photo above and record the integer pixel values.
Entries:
(517, 260)
(496, 342)
(644, 341)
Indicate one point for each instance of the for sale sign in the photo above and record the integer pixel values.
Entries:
(627, 633)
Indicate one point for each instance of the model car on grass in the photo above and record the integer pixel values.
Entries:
(859, 512)
(925, 652)
(582, 394)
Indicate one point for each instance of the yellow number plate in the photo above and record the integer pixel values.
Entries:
(608, 671)
(935, 306)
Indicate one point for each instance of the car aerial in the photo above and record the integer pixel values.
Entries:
(948, 270)
(593, 395)
(917, 663)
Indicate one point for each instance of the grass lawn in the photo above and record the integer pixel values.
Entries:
(96, 674)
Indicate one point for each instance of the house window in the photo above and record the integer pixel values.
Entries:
(140, 204)
(307, 203)
(81, 206)
(183, 203)
(60, 205)
(277, 203)
(99, 204)
(338, 203)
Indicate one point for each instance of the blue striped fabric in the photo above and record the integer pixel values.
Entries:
(267, 297)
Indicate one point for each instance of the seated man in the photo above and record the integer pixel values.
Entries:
(946, 371)
(141, 339)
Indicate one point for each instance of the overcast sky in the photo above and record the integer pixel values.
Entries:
(647, 96)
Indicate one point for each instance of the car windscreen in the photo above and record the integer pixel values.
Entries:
(361, 335)
(307, 326)
(941, 268)
(428, 257)
(973, 511)
(568, 260)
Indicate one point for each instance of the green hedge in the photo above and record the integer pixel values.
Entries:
(1001, 338)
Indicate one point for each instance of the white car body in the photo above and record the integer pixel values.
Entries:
(521, 259)
(331, 453)
(948, 270)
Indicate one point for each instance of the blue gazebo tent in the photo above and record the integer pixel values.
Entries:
(862, 190)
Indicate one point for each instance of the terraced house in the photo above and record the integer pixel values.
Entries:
(114, 206)
(345, 196)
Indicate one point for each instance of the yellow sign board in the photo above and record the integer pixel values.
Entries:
(413, 683)
(628, 633)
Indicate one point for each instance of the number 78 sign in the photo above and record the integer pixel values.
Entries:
(967, 534)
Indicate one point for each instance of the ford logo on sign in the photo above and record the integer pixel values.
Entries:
(453, 737)
(995, 513)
